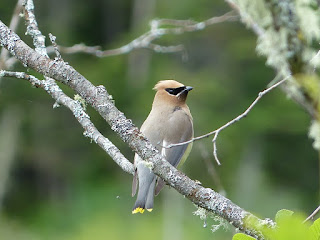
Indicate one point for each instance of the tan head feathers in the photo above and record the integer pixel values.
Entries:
(167, 84)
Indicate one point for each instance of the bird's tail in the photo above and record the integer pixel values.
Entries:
(143, 204)
(139, 208)
(145, 198)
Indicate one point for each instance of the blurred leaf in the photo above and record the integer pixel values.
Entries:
(291, 227)
(241, 236)
(283, 214)
(315, 230)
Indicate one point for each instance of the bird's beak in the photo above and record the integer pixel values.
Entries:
(185, 91)
(188, 88)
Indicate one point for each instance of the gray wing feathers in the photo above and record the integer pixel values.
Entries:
(134, 183)
(174, 155)
(182, 132)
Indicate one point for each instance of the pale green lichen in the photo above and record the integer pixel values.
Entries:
(201, 212)
(56, 105)
(309, 19)
(80, 100)
(293, 88)
(78, 112)
(286, 26)
(314, 133)
(273, 45)
(221, 223)
(149, 165)
(110, 97)
(204, 214)
(314, 56)
(255, 11)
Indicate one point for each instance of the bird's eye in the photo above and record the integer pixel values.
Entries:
(175, 91)
(170, 90)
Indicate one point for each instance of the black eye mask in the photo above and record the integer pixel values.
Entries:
(175, 91)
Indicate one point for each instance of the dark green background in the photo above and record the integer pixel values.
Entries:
(61, 186)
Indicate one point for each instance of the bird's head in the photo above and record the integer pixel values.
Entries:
(171, 91)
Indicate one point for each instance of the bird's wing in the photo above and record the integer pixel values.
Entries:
(135, 176)
(134, 184)
(181, 132)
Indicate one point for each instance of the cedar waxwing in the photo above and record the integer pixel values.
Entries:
(169, 122)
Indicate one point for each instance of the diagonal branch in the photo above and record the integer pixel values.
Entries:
(312, 214)
(83, 118)
(99, 99)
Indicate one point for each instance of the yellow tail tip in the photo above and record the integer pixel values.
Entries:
(138, 210)
(149, 209)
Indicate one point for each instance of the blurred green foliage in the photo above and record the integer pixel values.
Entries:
(291, 226)
(61, 186)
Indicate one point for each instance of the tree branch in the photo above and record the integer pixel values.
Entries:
(32, 27)
(4, 55)
(312, 214)
(158, 29)
(99, 99)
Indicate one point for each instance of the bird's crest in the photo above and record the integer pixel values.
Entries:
(167, 84)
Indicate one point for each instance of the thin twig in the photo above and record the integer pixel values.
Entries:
(16, 16)
(244, 114)
(77, 48)
(4, 55)
(33, 29)
(312, 214)
(215, 149)
(157, 30)
(55, 46)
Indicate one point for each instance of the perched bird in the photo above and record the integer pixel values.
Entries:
(169, 122)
